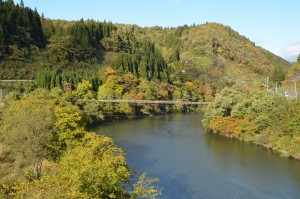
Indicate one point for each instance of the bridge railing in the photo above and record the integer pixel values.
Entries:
(16, 80)
(146, 102)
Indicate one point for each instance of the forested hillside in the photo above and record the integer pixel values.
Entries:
(263, 118)
(214, 52)
(294, 72)
(45, 147)
(32, 45)
(20, 29)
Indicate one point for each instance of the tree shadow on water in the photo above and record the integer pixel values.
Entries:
(173, 185)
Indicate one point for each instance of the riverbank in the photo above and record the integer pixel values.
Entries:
(285, 146)
(263, 118)
(114, 118)
(288, 150)
(192, 163)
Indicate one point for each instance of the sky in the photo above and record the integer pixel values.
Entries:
(271, 24)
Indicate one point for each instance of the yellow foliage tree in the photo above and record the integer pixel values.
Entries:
(84, 90)
(27, 126)
(96, 168)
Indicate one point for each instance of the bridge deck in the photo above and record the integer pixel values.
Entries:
(16, 80)
(146, 102)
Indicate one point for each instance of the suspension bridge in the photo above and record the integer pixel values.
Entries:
(16, 80)
(165, 102)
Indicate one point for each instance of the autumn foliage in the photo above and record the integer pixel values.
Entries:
(231, 126)
(264, 118)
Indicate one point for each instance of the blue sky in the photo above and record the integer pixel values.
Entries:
(272, 24)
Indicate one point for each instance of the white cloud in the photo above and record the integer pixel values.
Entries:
(260, 42)
(291, 51)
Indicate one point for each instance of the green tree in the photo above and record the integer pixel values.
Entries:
(84, 90)
(293, 121)
(95, 168)
(116, 87)
(263, 109)
(70, 128)
(149, 90)
(28, 124)
(222, 105)
(278, 75)
(22, 3)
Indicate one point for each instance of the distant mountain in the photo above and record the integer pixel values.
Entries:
(214, 51)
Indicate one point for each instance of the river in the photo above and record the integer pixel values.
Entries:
(193, 164)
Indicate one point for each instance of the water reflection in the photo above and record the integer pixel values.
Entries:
(193, 164)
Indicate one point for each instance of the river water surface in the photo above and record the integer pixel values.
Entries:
(193, 164)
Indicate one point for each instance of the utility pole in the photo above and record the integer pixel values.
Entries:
(276, 87)
(247, 90)
(296, 92)
(267, 82)
(1, 95)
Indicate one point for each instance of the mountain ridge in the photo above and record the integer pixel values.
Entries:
(210, 52)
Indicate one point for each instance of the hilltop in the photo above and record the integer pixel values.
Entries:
(213, 50)
(77, 50)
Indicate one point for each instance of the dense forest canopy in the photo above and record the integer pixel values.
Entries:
(46, 151)
(45, 147)
(77, 50)
(264, 118)
(20, 28)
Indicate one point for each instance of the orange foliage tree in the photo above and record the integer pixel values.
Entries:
(231, 126)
